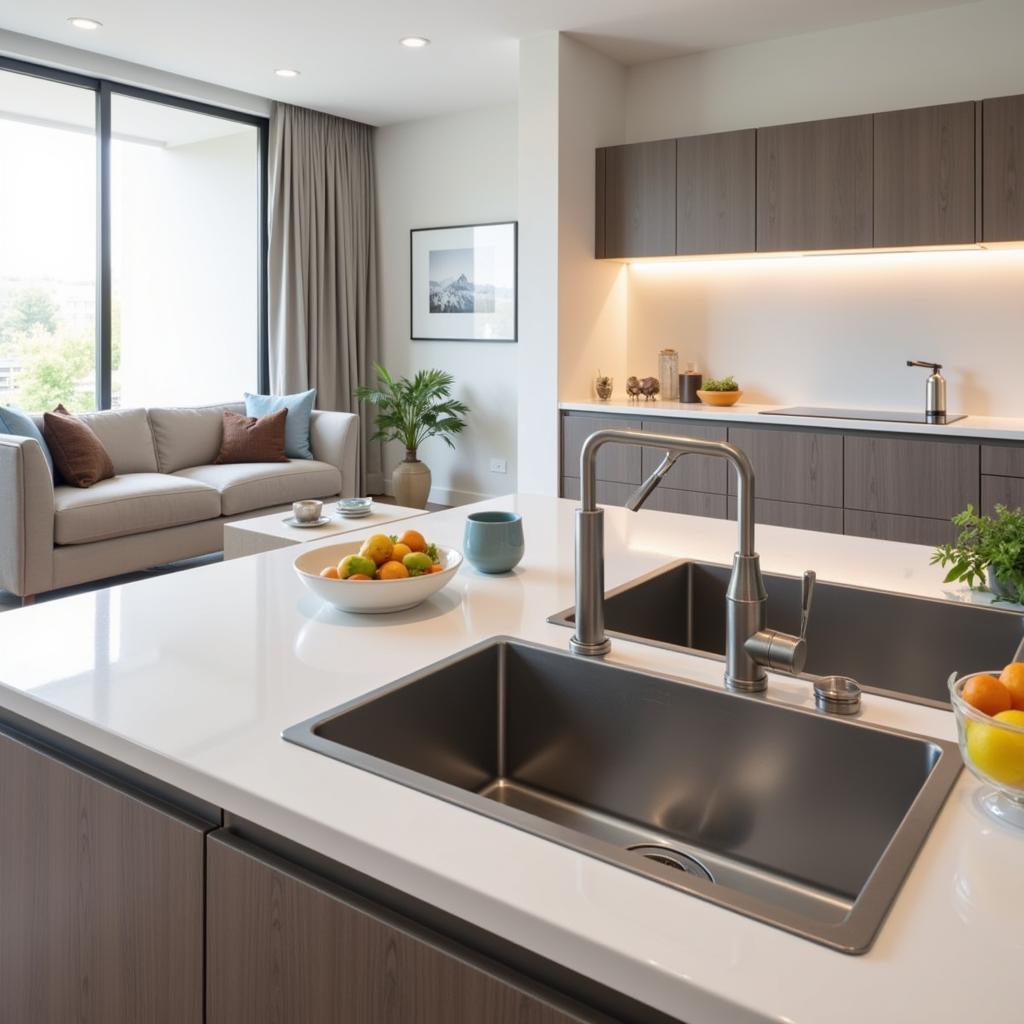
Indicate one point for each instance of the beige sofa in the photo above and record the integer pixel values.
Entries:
(167, 501)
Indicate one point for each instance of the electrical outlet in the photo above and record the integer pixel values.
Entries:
(499, 466)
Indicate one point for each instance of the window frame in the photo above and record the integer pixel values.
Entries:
(104, 89)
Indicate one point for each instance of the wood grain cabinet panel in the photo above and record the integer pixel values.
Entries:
(814, 185)
(281, 948)
(1001, 490)
(792, 465)
(821, 518)
(924, 176)
(607, 493)
(101, 899)
(716, 192)
(906, 529)
(640, 199)
(692, 472)
(932, 479)
(688, 503)
(1002, 175)
(616, 463)
(1002, 460)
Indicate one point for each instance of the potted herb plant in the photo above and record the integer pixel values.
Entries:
(411, 411)
(989, 551)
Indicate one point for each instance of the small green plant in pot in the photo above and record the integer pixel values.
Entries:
(411, 412)
(988, 552)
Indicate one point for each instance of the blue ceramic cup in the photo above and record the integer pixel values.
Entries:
(494, 541)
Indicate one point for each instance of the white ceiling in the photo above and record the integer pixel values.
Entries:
(349, 55)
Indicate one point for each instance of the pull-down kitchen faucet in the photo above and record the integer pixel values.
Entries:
(749, 646)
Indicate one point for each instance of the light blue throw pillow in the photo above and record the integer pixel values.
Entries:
(20, 424)
(296, 424)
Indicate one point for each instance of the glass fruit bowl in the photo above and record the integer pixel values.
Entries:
(994, 752)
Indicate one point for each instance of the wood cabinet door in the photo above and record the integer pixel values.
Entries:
(793, 465)
(101, 899)
(716, 192)
(639, 200)
(924, 176)
(931, 479)
(1003, 459)
(1001, 490)
(616, 463)
(607, 493)
(706, 473)
(814, 185)
(906, 529)
(281, 948)
(1002, 174)
(797, 516)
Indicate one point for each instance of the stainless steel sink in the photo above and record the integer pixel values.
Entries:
(786, 815)
(890, 643)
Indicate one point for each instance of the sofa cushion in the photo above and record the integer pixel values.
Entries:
(247, 486)
(135, 503)
(126, 435)
(296, 429)
(78, 454)
(252, 438)
(186, 437)
(21, 424)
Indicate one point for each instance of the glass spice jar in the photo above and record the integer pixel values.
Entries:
(668, 374)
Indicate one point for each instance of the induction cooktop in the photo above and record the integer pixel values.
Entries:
(824, 412)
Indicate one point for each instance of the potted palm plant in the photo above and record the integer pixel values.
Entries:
(411, 411)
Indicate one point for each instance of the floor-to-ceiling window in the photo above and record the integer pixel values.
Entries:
(47, 243)
(132, 241)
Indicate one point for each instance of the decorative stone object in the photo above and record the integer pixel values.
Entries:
(649, 388)
(633, 388)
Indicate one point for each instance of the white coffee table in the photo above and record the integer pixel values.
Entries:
(267, 533)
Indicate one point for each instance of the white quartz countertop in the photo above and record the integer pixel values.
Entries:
(191, 677)
(991, 427)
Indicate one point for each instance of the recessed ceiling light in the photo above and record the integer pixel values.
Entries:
(286, 73)
(415, 42)
(88, 24)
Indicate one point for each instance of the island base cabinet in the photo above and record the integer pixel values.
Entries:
(281, 948)
(101, 899)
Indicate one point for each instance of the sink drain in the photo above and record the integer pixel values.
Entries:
(673, 859)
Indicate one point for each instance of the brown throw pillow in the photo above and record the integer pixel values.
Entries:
(78, 454)
(248, 439)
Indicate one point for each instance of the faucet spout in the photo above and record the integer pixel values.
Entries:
(747, 599)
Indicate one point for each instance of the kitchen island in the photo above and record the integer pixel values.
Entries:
(189, 679)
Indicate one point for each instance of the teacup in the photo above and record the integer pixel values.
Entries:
(494, 541)
(308, 510)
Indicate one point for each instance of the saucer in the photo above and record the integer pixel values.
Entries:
(292, 521)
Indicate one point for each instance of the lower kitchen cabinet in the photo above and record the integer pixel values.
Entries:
(688, 503)
(101, 899)
(822, 518)
(615, 463)
(793, 465)
(708, 474)
(1001, 490)
(906, 529)
(607, 493)
(284, 948)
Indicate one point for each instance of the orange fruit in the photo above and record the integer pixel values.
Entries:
(360, 576)
(400, 550)
(392, 571)
(413, 540)
(987, 694)
(1012, 677)
(437, 567)
(330, 573)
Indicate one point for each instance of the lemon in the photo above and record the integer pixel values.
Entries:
(356, 565)
(998, 753)
(378, 547)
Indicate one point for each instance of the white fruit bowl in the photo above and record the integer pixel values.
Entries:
(371, 596)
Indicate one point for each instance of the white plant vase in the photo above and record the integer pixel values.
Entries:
(410, 481)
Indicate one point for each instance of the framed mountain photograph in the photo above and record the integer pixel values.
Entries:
(463, 283)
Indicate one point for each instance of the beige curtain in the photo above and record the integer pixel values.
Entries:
(323, 265)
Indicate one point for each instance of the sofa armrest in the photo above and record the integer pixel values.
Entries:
(334, 438)
(26, 517)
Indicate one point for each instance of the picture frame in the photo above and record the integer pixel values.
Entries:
(464, 282)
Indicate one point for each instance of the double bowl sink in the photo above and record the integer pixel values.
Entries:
(794, 818)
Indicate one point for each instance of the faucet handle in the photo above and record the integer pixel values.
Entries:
(806, 597)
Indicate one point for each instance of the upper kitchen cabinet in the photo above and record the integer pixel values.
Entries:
(1002, 175)
(639, 200)
(715, 193)
(925, 176)
(814, 185)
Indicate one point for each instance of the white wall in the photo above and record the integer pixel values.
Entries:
(456, 169)
(835, 330)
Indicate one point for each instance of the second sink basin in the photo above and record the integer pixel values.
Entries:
(788, 816)
(891, 643)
